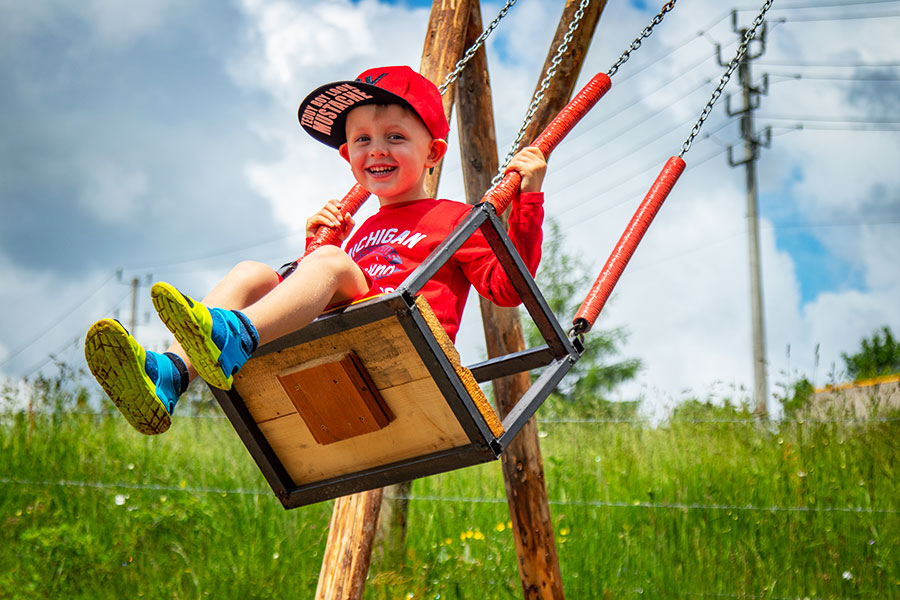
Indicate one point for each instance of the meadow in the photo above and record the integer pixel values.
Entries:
(694, 508)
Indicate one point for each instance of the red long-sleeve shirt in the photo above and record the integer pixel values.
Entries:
(394, 241)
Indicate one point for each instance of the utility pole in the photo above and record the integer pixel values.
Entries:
(135, 284)
(752, 142)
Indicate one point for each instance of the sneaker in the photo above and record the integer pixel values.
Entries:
(217, 341)
(142, 384)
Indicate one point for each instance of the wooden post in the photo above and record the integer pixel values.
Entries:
(349, 547)
(522, 462)
(445, 43)
(345, 564)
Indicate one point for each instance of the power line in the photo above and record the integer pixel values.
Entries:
(780, 226)
(836, 77)
(663, 505)
(812, 18)
(221, 252)
(653, 167)
(66, 314)
(678, 46)
(835, 4)
(824, 64)
(847, 127)
(829, 119)
(52, 356)
(573, 421)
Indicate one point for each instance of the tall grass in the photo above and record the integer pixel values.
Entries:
(91, 509)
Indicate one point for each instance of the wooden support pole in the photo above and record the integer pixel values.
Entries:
(445, 43)
(522, 461)
(444, 46)
(345, 564)
(353, 524)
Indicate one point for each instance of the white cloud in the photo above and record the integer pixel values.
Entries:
(118, 22)
(113, 22)
(290, 48)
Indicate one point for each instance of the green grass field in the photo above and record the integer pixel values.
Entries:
(91, 509)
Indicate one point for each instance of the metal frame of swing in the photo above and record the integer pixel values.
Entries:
(557, 355)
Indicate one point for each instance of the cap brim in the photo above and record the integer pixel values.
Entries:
(323, 113)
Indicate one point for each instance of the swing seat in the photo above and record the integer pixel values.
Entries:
(374, 393)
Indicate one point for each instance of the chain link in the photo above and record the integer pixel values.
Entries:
(742, 49)
(539, 95)
(454, 74)
(644, 35)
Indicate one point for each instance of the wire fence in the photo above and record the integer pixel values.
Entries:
(595, 503)
(754, 421)
(460, 499)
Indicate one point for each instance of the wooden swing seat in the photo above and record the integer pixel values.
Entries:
(374, 393)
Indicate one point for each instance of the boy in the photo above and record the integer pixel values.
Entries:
(389, 125)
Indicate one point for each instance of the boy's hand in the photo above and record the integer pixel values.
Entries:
(330, 216)
(532, 166)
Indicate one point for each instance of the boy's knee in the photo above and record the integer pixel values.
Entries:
(254, 274)
(339, 264)
(332, 258)
(250, 269)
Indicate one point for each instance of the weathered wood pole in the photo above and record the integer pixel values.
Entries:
(445, 43)
(348, 550)
(345, 563)
(522, 462)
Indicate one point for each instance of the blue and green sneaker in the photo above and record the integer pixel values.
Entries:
(142, 384)
(217, 341)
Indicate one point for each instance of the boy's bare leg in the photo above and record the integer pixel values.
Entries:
(222, 340)
(326, 276)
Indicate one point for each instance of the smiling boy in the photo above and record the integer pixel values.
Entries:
(389, 125)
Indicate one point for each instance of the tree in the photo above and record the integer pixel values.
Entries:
(879, 356)
(563, 279)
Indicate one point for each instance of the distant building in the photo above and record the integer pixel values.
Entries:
(877, 397)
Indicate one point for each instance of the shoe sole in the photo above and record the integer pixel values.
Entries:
(117, 362)
(192, 328)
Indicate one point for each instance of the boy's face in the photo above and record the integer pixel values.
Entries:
(389, 150)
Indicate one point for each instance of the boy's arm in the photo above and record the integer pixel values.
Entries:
(525, 219)
(481, 266)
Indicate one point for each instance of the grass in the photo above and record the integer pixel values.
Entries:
(91, 509)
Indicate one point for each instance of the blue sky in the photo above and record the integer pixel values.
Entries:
(161, 140)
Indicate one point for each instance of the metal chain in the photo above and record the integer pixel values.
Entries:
(539, 95)
(644, 35)
(454, 74)
(742, 49)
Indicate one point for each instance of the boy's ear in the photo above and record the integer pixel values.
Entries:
(436, 152)
(342, 150)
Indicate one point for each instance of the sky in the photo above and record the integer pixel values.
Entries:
(158, 141)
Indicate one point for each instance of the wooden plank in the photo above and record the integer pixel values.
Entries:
(522, 462)
(424, 424)
(335, 398)
(382, 346)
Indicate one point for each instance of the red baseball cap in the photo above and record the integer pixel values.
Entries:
(323, 112)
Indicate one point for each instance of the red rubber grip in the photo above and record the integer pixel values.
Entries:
(504, 192)
(621, 254)
(348, 204)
